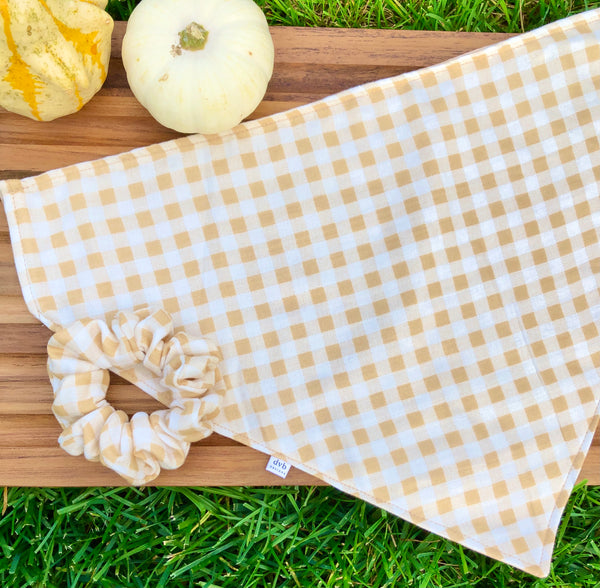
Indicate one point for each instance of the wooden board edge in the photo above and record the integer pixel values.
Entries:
(205, 466)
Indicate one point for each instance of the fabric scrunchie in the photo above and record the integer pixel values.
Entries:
(79, 357)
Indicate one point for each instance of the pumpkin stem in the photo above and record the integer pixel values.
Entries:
(193, 37)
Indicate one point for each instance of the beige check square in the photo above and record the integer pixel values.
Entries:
(402, 279)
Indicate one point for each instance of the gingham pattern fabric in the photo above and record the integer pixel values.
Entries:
(79, 357)
(402, 280)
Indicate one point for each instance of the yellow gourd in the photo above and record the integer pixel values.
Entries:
(54, 55)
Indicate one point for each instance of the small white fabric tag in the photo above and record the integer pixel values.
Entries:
(278, 467)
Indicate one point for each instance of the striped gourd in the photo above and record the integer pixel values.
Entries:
(54, 55)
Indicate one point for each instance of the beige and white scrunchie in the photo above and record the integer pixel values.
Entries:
(402, 282)
(79, 359)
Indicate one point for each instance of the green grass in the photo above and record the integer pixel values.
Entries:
(257, 537)
(436, 15)
(250, 537)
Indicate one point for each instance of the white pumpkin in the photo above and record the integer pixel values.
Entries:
(198, 66)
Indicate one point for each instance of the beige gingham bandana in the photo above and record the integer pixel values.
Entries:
(400, 283)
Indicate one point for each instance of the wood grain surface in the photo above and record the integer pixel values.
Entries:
(309, 64)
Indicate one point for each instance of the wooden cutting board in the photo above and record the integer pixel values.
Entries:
(309, 64)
